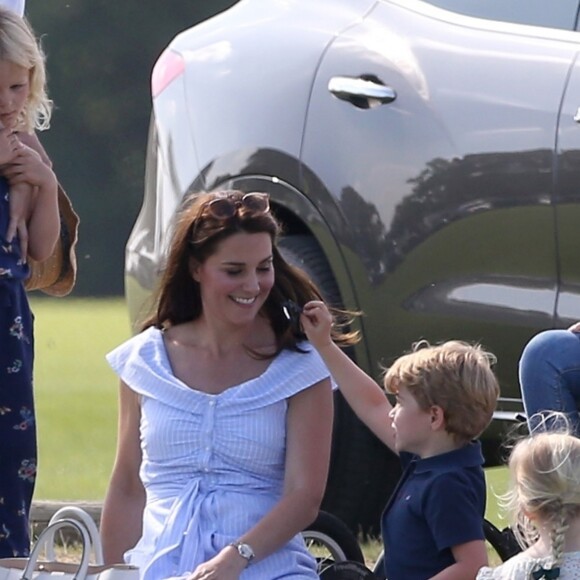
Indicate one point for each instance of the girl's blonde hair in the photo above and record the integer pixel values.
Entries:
(19, 46)
(545, 485)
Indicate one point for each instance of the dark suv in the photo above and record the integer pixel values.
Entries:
(425, 164)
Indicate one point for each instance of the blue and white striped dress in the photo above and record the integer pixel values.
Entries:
(213, 465)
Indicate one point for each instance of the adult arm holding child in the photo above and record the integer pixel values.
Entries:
(33, 203)
(21, 200)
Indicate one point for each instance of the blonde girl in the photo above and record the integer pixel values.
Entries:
(29, 226)
(545, 504)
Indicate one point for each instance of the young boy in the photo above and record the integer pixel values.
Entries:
(432, 526)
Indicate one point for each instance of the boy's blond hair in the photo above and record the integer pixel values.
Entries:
(19, 46)
(455, 376)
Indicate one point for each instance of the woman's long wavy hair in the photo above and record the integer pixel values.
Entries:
(196, 237)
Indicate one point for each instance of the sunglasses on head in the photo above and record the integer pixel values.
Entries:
(227, 206)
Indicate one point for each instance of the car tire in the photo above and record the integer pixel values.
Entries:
(330, 540)
(363, 471)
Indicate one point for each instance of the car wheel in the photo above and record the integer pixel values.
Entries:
(330, 540)
(363, 471)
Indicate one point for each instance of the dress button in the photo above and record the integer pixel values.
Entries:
(212, 403)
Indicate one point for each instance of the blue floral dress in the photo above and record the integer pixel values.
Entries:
(17, 424)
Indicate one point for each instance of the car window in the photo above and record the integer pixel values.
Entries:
(560, 14)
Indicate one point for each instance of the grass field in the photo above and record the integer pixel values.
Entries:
(76, 394)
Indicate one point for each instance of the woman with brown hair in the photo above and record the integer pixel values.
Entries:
(225, 408)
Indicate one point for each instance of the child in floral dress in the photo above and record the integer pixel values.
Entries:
(29, 219)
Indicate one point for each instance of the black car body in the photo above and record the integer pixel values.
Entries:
(425, 164)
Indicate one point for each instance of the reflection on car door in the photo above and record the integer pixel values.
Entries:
(444, 191)
(568, 202)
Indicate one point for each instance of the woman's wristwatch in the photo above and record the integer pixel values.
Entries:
(244, 550)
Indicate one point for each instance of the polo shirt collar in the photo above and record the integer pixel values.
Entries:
(469, 455)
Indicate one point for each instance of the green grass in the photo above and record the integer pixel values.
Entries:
(497, 484)
(76, 394)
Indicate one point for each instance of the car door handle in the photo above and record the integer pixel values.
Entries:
(363, 92)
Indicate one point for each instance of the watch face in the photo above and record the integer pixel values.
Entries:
(245, 551)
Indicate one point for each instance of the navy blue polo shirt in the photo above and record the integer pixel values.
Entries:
(438, 503)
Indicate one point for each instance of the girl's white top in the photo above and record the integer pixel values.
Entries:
(213, 465)
(521, 567)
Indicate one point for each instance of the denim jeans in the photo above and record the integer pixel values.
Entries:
(549, 372)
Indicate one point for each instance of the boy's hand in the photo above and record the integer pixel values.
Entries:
(316, 321)
(575, 327)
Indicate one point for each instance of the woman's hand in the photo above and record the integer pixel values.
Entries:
(575, 327)
(227, 565)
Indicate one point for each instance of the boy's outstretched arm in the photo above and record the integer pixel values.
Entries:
(362, 393)
(469, 558)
